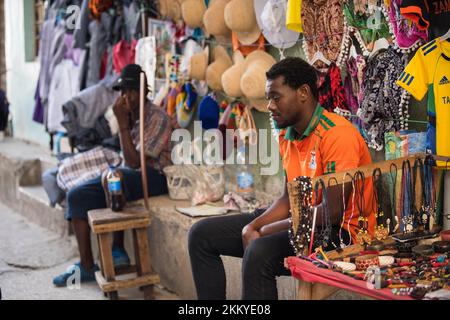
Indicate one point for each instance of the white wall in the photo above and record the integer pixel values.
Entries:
(21, 77)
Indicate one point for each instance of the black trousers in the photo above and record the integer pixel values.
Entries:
(263, 259)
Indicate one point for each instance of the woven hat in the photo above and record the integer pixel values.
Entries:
(231, 78)
(170, 9)
(240, 17)
(215, 70)
(198, 64)
(191, 47)
(214, 19)
(259, 104)
(253, 80)
(271, 18)
(192, 12)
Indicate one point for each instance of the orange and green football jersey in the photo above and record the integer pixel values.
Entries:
(329, 144)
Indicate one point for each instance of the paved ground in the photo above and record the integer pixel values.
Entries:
(31, 256)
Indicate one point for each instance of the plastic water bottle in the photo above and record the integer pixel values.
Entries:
(245, 179)
(114, 184)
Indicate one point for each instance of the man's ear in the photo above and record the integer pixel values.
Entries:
(303, 92)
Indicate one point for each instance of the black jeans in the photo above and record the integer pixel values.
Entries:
(262, 260)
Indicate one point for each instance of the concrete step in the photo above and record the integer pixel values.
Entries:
(21, 164)
(21, 167)
(19, 149)
(34, 205)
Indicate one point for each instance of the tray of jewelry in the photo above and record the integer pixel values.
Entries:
(382, 271)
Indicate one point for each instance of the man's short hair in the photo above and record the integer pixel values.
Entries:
(296, 72)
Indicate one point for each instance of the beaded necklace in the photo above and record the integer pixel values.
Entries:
(300, 238)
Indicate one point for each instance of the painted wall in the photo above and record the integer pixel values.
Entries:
(21, 76)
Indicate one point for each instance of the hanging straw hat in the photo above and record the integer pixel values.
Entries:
(259, 104)
(231, 77)
(214, 19)
(253, 80)
(240, 18)
(271, 18)
(192, 12)
(191, 47)
(170, 9)
(215, 70)
(198, 64)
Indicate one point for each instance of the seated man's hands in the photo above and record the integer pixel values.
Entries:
(249, 233)
(121, 111)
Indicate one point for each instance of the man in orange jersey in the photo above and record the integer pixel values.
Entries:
(313, 142)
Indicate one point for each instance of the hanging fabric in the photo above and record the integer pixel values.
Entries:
(407, 35)
(331, 91)
(98, 6)
(384, 105)
(324, 30)
(123, 54)
(367, 20)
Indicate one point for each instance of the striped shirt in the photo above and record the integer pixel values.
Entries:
(157, 133)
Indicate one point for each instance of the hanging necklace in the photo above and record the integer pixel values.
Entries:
(421, 217)
(323, 238)
(424, 211)
(394, 217)
(381, 232)
(363, 237)
(342, 210)
(300, 236)
(429, 192)
(406, 214)
(341, 241)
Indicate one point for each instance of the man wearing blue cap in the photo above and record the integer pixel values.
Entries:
(90, 195)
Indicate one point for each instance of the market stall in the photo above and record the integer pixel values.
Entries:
(407, 255)
(207, 61)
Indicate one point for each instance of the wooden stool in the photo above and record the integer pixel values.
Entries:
(103, 222)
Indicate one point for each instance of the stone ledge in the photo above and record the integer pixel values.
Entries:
(170, 258)
(33, 204)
